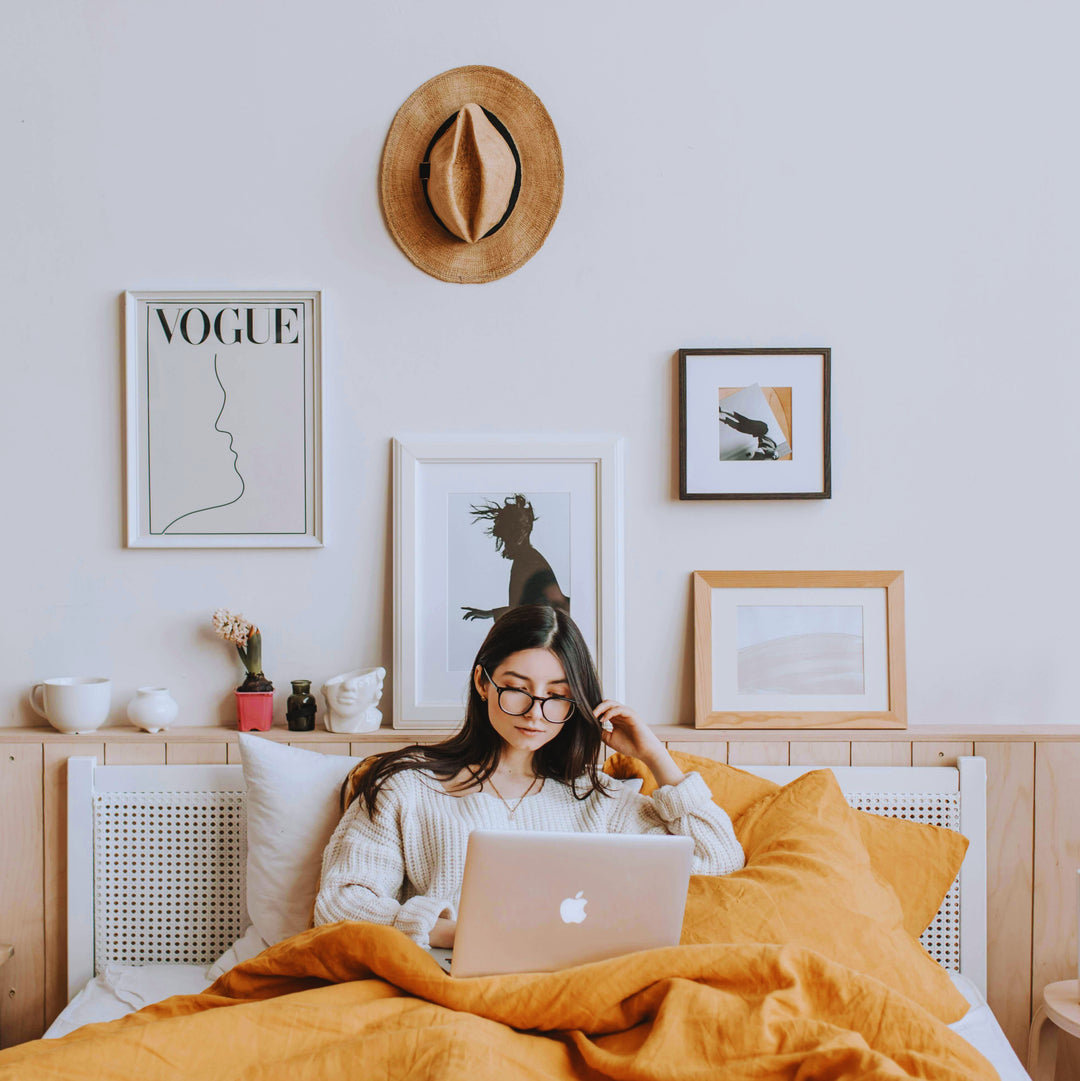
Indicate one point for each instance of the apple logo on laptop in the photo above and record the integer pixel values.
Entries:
(572, 910)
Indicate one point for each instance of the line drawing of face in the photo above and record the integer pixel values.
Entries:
(193, 455)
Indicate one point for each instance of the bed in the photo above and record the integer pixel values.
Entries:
(158, 862)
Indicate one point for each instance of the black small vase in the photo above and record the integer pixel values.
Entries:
(300, 710)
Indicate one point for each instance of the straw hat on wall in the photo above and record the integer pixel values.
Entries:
(472, 176)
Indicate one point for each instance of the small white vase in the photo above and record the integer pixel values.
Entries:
(152, 709)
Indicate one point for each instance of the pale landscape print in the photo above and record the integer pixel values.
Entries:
(812, 649)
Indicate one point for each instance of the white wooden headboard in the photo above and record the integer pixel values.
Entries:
(157, 858)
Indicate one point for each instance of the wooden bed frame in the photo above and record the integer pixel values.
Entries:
(156, 858)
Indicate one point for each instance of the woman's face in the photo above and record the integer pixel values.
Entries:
(540, 673)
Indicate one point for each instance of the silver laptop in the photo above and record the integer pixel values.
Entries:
(539, 902)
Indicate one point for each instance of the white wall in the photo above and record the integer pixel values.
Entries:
(895, 180)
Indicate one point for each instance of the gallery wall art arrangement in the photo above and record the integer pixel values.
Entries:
(224, 440)
(224, 448)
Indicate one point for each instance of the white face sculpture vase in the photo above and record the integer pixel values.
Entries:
(351, 700)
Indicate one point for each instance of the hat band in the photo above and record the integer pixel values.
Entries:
(425, 170)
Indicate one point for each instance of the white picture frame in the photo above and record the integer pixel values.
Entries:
(448, 494)
(223, 419)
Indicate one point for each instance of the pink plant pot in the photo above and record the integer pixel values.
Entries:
(254, 710)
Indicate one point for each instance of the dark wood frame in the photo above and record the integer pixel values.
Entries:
(825, 493)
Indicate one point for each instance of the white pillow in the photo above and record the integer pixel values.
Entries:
(291, 803)
(250, 944)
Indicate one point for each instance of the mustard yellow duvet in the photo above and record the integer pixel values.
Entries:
(354, 1000)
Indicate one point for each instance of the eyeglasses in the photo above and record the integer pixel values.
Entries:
(517, 703)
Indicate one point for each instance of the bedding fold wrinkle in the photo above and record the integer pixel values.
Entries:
(362, 1000)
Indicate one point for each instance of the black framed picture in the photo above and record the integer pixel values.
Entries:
(754, 424)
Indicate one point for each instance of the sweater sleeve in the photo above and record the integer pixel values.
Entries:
(685, 809)
(363, 870)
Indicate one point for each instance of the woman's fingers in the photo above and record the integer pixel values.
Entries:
(610, 713)
(611, 709)
(607, 706)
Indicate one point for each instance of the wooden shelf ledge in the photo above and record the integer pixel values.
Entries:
(1045, 733)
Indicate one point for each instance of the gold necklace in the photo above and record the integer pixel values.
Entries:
(510, 809)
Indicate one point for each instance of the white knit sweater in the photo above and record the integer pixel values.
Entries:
(404, 866)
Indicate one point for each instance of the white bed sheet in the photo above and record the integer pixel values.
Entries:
(123, 989)
(980, 1028)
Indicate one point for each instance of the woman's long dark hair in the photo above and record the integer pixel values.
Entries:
(571, 757)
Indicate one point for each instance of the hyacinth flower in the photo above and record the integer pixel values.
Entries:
(248, 641)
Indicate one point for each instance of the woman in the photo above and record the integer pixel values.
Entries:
(526, 758)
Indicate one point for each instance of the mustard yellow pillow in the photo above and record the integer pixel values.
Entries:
(808, 882)
(917, 860)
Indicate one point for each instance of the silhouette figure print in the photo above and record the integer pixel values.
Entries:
(532, 581)
(744, 424)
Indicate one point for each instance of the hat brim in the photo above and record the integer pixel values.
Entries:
(408, 217)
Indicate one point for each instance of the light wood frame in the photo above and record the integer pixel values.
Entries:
(893, 584)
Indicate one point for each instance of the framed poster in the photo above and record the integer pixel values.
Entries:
(224, 426)
(483, 525)
(754, 424)
(799, 649)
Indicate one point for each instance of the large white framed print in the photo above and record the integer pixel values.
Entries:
(481, 525)
(224, 419)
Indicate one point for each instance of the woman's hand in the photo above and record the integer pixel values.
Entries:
(625, 733)
(442, 934)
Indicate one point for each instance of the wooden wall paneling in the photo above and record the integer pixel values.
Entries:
(880, 753)
(715, 749)
(196, 754)
(1010, 817)
(823, 753)
(324, 748)
(753, 753)
(134, 754)
(939, 754)
(1057, 857)
(362, 750)
(55, 850)
(22, 902)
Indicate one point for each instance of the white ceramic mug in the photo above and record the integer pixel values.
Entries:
(73, 703)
